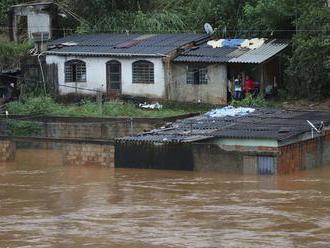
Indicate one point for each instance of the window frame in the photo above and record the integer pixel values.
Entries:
(78, 74)
(201, 78)
(147, 72)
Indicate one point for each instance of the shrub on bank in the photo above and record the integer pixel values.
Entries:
(23, 128)
(250, 101)
(35, 106)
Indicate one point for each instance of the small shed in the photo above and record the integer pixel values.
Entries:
(201, 73)
(33, 17)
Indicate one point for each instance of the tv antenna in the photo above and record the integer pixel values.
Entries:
(314, 128)
(208, 29)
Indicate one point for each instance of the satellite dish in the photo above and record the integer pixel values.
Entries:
(208, 28)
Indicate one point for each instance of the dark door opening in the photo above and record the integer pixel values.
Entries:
(113, 78)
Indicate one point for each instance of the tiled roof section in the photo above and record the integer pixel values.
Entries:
(122, 44)
(275, 124)
(207, 54)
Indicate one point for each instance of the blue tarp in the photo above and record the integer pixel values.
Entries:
(233, 42)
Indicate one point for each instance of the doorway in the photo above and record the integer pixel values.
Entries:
(113, 78)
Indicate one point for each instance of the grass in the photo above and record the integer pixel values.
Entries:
(47, 106)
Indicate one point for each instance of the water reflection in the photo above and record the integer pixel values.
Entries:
(46, 204)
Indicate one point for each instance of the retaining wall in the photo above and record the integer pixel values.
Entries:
(88, 154)
(7, 150)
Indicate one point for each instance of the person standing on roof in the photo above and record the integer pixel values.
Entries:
(248, 86)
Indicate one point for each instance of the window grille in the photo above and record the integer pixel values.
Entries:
(75, 71)
(143, 72)
(197, 75)
(114, 75)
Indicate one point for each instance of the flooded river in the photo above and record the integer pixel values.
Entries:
(45, 204)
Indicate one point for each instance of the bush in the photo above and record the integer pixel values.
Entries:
(12, 53)
(250, 101)
(23, 128)
(33, 106)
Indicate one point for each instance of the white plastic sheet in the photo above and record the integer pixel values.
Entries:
(229, 111)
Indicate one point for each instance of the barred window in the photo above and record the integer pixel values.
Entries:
(75, 71)
(143, 72)
(197, 75)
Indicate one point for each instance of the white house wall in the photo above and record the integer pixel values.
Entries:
(214, 92)
(96, 76)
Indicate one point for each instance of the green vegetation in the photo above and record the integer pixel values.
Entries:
(305, 22)
(23, 128)
(250, 101)
(309, 67)
(12, 53)
(47, 106)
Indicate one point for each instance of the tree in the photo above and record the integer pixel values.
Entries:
(308, 73)
(263, 18)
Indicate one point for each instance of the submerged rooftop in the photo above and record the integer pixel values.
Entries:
(261, 123)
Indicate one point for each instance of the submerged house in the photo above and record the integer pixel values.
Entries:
(178, 67)
(245, 141)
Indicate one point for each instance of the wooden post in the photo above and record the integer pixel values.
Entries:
(262, 80)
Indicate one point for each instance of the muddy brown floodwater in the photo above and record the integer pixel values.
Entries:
(45, 204)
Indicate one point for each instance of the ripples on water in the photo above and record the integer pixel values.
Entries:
(45, 204)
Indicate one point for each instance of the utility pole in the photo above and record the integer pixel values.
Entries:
(296, 11)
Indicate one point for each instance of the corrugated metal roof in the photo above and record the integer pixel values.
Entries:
(208, 54)
(262, 53)
(116, 44)
(276, 124)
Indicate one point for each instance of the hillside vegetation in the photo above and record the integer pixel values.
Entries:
(305, 22)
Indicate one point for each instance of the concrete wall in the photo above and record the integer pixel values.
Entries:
(7, 150)
(213, 158)
(94, 130)
(88, 154)
(96, 76)
(231, 159)
(214, 92)
(37, 20)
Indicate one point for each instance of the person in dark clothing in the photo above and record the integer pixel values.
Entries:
(238, 88)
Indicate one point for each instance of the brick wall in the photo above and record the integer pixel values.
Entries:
(7, 150)
(88, 154)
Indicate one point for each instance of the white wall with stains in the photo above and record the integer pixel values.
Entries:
(96, 76)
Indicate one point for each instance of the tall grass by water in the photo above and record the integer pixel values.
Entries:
(47, 106)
